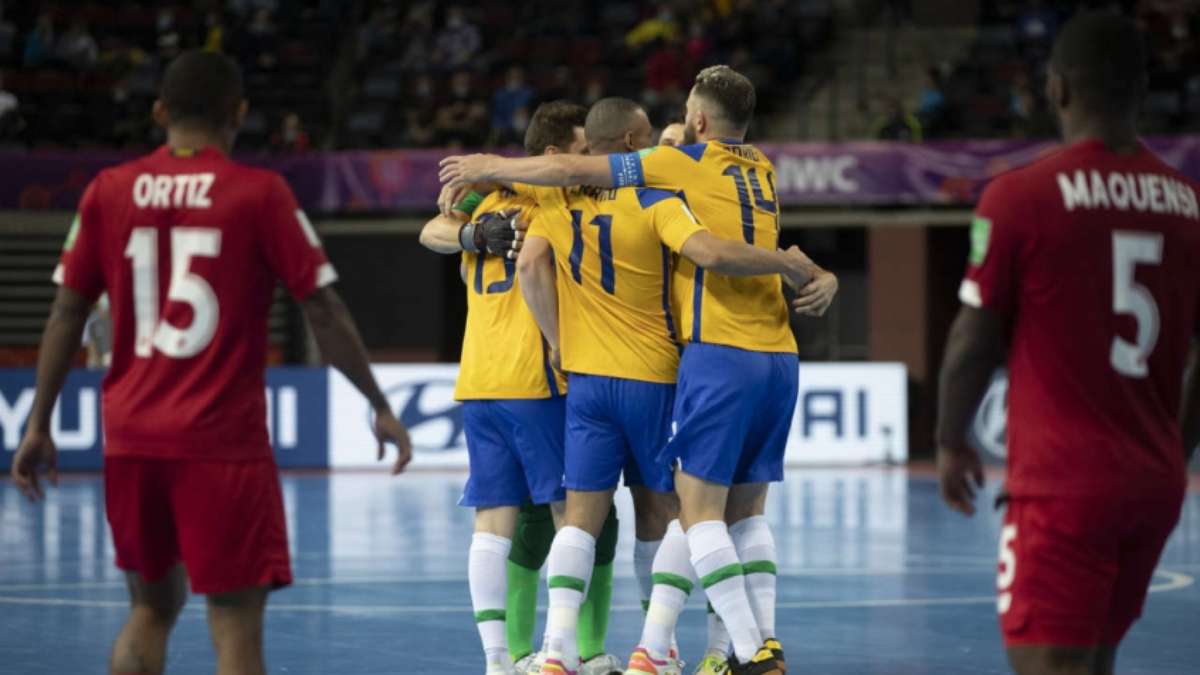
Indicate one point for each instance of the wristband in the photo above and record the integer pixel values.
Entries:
(466, 237)
(469, 203)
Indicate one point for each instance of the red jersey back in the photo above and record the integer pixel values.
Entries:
(1093, 257)
(189, 247)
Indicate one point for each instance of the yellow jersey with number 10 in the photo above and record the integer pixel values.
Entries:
(503, 354)
(730, 186)
(613, 252)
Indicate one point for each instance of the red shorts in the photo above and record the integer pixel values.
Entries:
(1075, 572)
(224, 520)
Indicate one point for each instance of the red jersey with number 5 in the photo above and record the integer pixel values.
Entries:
(1093, 257)
(189, 247)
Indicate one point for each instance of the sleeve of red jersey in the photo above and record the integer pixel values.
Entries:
(291, 245)
(79, 268)
(992, 280)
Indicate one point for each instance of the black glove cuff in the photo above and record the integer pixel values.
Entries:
(466, 238)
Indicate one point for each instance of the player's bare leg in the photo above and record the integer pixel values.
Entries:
(1052, 660)
(235, 624)
(653, 511)
(141, 646)
(1104, 660)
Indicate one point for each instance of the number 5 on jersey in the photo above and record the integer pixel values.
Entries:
(185, 287)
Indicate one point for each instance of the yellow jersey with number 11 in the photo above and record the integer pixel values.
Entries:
(730, 186)
(613, 250)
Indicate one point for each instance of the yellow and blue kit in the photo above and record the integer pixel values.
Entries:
(614, 253)
(514, 409)
(738, 379)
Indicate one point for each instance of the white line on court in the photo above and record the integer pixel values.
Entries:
(1174, 581)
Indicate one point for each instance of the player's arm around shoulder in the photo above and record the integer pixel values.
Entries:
(561, 170)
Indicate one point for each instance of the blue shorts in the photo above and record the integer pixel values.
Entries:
(516, 451)
(733, 412)
(615, 424)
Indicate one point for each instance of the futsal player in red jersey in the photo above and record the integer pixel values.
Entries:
(1084, 269)
(189, 246)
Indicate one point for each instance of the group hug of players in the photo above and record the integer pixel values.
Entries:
(626, 316)
(615, 274)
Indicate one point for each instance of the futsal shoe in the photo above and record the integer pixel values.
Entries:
(641, 663)
(714, 663)
(530, 664)
(776, 649)
(763, 663)
(603, 664)
(554, 666)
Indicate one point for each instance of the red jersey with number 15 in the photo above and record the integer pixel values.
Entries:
(189, 247)
(1093, 257)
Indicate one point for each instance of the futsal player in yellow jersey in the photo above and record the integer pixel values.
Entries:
(513, 414)
(738, 376)
(607, 309)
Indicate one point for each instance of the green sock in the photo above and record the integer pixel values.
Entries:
(531, 545)
(521, 609)
(593, 615)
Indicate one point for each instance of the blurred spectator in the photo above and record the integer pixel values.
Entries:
(562, 85)
(420, 113)
(593, 91)
(246, 7)
(77, 48)
(8, 39)
(39, 44)
(661, 26)
(9, 106)
(931, 103)
(897, 124)
(664, 70)
(699, 45)
(462, 119)
(1036, 27)
(1030, 117)
(459, 40)
(260, 44)
(215, 33)
(291, 136)
(510, 107)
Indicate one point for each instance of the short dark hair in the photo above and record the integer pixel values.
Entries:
(1103, 59)
(202, 88)
(732, 92)
(554, 124)
(609, 119)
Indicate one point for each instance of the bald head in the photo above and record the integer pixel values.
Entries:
(617, 125)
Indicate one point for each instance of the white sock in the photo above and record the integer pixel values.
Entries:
(720, 573)
(718, 637)
(487, 575)
(756, 549)
(569, 569)
(643, 567)
(674, 579)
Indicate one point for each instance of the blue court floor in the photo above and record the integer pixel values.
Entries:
(875, 576)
